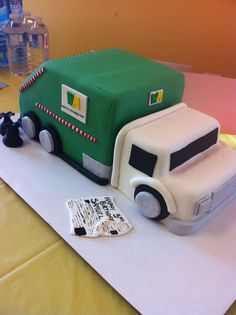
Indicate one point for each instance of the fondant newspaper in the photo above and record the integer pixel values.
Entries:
(92, 217)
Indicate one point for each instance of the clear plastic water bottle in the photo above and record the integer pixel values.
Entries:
(4, 12)
(38, 37)
(27, 23)
(16, 7)
(17, 53)
(4, 17)
(3, 49)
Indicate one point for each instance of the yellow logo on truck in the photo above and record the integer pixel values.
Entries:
(74, 103)
(73, 100)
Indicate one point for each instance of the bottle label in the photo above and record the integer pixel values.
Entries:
(46, 41)
(16, 7)
(3, 13)
(16, 39)
(19, 56)
(33, 40)
(38, 41)
(3, 55)
(3, 51)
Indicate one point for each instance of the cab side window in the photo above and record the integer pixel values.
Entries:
(142, 160)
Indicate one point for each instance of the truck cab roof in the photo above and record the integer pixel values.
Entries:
(174, 136)
(174, 130)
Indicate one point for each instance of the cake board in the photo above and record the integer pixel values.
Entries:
(154, 270)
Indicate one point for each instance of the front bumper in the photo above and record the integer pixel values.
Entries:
(219, 199)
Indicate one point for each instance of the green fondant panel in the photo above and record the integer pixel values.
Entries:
(118, 86)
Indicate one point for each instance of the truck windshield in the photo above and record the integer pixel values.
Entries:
(179, 157)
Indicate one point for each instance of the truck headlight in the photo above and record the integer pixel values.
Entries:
(203, 206)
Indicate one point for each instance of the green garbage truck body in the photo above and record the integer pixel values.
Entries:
(77, 105)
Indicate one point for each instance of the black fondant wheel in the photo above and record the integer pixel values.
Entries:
(50, 139)
(150, 202)
(31, 125)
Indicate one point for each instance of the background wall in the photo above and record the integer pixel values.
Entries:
(201, 33)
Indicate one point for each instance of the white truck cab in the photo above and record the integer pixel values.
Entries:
(172, 164)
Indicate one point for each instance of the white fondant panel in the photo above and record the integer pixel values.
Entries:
(174, 131)
(156, 271)
(121, 137)
(74, 103)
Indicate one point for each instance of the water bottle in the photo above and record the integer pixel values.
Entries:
(38, 43)
(27, 23)
(16, 7)
(3, 49)
(4, 16)
(17, 53)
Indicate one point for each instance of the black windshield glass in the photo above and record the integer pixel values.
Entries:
(179, 157)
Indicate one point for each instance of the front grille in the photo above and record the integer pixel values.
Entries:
(224, 192)
(217, 197)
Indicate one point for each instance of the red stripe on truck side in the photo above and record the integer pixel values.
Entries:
(66, 123)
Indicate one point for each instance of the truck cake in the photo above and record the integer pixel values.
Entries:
(118, 118)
